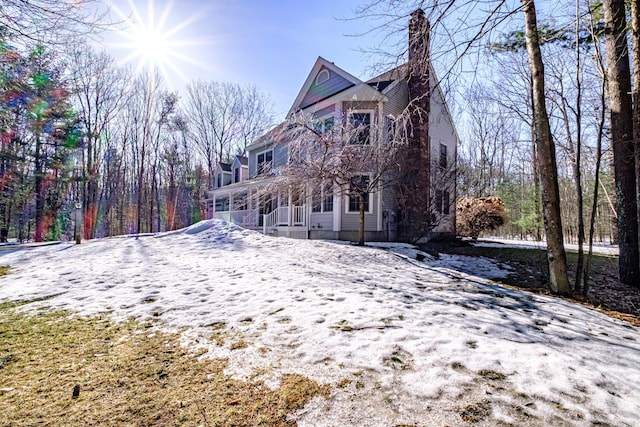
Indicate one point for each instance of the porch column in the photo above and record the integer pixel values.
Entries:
(378, 193)
(337, 209)
(290, 209)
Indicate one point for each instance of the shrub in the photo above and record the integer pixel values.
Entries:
(475, 215)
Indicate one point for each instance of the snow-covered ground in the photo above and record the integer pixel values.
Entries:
(402, 341)
(499, 242)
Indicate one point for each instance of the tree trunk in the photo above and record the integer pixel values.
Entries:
(559, 281)
(635, 41)
(619, 85)
(596, 183)
(38, 162)
(577, 171)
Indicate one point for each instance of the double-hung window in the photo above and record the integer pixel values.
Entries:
(264, 162)
(322, 199)
(324, 125)
(359, 185)
(443, 156)
(360, 127)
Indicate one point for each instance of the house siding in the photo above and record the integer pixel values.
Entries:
(398, 99)
(325, 111)
(321, 221)
(280, 157)
(442, 131)
(316, 93)
(351, 220)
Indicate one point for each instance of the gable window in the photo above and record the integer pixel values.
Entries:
(322, 76)
(359, 184)
(443, 156)
(219, 184)
(236, 175)
(264, 162)
(360, 125)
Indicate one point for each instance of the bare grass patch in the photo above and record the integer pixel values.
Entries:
(62, 370)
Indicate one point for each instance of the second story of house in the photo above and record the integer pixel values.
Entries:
(231, 173)
(335, 100)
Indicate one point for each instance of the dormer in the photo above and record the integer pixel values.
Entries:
(239, 169)
(223, 175)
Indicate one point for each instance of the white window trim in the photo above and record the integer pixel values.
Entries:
(346, 199)
(323, 196)
(258, 164)
(372, 119)
(323, 119)
(323, 76)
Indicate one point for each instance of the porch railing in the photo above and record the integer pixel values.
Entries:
(298, 215)
(270, 221)
(280, 217)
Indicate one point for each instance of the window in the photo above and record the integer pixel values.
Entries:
(391, 128)
(441, 202)
(438, 201)
(236, 175)
(222, 204)
(445, 202)
(240, 202)
(360, 124)
(443, 156)
(322, 76)
(359, 185)
(219, 178)
(327, 198)
(322, 199)
(324, 125)
(264, 162)
(316, 199)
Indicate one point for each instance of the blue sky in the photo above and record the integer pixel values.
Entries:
(269, 44)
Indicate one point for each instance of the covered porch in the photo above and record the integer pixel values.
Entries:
(282, 214)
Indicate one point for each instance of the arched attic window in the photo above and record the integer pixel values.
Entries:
(322, 76)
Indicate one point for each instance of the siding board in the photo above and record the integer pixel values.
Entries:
(316, 93)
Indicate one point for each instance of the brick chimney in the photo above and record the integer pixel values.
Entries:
(415, 190)
(418, 78)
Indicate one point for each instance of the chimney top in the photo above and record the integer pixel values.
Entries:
(417, 14)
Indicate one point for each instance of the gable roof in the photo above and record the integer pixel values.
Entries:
(224, 167)
(312, 93)
(242, 160)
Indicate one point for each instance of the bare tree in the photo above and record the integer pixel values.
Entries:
(621, 110)
(350, 159)
(224, 118)
(546, 156)
(98, 86)
(52, 21)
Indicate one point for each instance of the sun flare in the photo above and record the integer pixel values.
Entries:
(152, 44)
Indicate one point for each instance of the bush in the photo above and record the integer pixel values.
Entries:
(475, 215)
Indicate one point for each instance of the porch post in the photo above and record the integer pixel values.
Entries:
(290, 209)
(337, 208)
